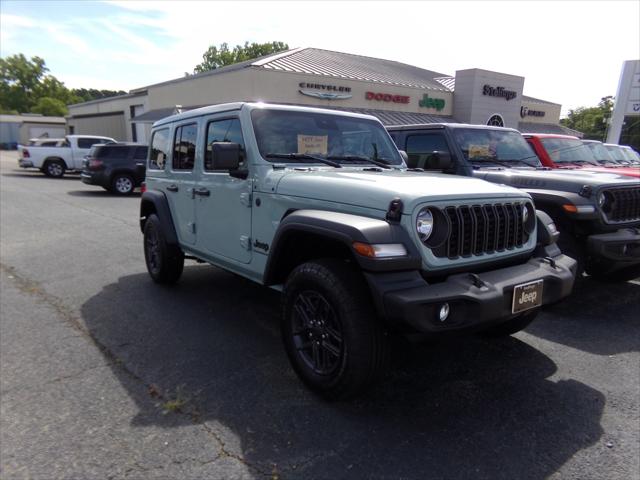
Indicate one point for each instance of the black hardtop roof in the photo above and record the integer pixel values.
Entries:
(121, 144)
(436, 126)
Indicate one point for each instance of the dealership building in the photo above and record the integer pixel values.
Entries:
(624, 127)
(395, 93)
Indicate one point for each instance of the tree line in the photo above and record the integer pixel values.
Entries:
(27, 87)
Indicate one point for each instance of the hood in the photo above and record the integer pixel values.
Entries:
(558, 179)
(375, 189)
(627, 171)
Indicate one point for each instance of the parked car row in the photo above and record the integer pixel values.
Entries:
(370, 231)
(476, 235)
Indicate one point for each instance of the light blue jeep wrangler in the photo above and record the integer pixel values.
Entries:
(320, 205)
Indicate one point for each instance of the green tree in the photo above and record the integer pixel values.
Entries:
(592, 121)
(221, 56)
(19, 81)
(51, 107)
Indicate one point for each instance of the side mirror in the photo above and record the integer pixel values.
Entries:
(225, 155)
(404, 156)
(439, 161)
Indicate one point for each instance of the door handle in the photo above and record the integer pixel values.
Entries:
(172, 188)
(202, 191)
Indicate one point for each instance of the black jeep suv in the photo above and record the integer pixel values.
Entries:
(117, 167)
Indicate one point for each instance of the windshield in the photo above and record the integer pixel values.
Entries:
(290, 134)
(488, 145)
(598, 151)
(567, 150)
(616, 153)
(631, 155)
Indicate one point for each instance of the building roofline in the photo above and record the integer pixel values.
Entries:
(136, 93)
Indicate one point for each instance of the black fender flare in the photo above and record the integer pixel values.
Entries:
(155, 201)
(345, 228)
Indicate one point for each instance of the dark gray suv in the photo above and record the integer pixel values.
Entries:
(118, 168)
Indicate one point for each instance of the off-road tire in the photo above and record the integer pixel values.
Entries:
(164, 262)
(364, 347)
(122, 184)
(54, 168)
(512, 326)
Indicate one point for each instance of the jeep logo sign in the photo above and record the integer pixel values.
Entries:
(426, 102)
(527, 298)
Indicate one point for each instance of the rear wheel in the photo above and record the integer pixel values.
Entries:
(54, 168)
(334, 340)
(164, 262)
(512, 326)
(122, 184)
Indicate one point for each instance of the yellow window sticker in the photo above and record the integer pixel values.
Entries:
(476, 151)
(313, 144)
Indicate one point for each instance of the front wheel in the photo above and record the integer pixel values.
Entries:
(512, 326)
(334, 340)
(164, 262)
(54, 168)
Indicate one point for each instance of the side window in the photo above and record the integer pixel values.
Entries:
(88, 142)
(116, 153)
(184, 147)
(421, 147)
(222, 131)
(159, 149)
(140, 153)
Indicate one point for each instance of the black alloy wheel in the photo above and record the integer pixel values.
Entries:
(317, 332)
(334, 339)
(164, 262)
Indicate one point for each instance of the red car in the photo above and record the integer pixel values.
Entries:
(565, 151)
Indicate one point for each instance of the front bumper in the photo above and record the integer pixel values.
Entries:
(24, 163)
(411, 302)
(617, 249)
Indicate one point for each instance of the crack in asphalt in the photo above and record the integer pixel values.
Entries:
(34, 289)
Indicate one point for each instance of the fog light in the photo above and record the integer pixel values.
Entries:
(444, 312)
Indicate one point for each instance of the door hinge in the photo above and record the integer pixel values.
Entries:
(245, 242)
(246, 199)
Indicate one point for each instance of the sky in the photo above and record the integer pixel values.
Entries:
(569, 52)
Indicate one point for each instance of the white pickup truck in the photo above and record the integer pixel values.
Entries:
(66, 155)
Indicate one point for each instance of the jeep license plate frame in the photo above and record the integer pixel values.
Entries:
(527, 296)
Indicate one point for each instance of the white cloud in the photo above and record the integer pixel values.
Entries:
(568, 53)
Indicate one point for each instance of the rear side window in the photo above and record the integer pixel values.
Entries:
(89, 142)
(184, 147)
(421, 147)
(159, 149)
(140, 153)
(222, 131)
(117, 153)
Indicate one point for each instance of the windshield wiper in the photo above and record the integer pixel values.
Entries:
(303, 156)
(380, 162)
(486, 161)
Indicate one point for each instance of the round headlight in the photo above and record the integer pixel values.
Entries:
(602, 198)
(525, 215)
(424, 224)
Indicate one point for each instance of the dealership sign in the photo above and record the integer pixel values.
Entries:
(326, 92)
(499, 92)
(525, 112)
(426, 102)
(387, 97)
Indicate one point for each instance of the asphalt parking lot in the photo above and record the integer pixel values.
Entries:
(104, 374)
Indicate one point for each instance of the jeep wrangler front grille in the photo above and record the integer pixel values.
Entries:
(480, 229)
(622, 205)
